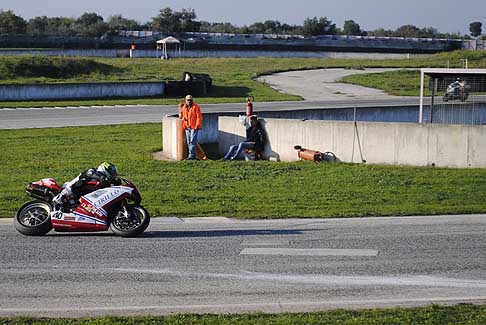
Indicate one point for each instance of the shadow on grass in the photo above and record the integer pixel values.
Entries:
(228, 91)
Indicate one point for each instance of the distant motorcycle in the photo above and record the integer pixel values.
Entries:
(456, 91)
(117, 208)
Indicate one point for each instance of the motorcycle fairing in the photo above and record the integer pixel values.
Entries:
(103, 198)
(49, 183)
(73, 221)
(91, 214)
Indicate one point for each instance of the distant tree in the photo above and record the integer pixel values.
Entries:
(291, 29)
(407, 31)
(10, 23)
(60, 26)
(257, 28)
(476, 28)
(37, 26)
(380, 32)
(90, 24)
(412, 31)
(272, 27)
(244, 30)
(169, 21)
(117, 22)
(428, 32)
(166, 22)
(351, 28)
(188, 21)
(208, 27)
(321, 26)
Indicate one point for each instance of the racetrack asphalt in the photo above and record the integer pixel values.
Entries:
(231, 265)
(320, 88)
(324, 84)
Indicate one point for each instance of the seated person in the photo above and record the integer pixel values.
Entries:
(255, 140)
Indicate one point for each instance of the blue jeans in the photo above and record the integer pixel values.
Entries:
(191, 137)
(235, 150)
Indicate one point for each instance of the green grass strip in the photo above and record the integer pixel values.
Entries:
(398, 83)
(233, 189)
(233, 77)
(439, 315)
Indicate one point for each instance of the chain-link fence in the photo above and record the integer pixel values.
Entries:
(457, 96)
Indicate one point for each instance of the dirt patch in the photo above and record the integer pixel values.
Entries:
(162, 156)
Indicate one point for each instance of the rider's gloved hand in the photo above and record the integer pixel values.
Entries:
(58, 199)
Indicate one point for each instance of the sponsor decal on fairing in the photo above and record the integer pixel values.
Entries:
(101, 197)
(87, 219)
(90, 208)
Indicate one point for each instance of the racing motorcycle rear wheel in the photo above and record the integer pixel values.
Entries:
(130, 221)
(33, 218)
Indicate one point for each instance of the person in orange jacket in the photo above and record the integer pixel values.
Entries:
(191, 123)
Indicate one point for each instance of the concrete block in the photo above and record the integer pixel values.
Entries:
(81, 90)
(230, 132)
(377, 141)
(319, 136)
(282, 136)
(345, 144)
(169, 136)
(411, 144)
(448, 145)
(381, 143)
(476, 147)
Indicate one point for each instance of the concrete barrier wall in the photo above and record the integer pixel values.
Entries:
(228, 41)
(408, 114)
(209, 53)
(209, 133)
(84, 90)
(106, 53)
(169, 137)
(380, 143)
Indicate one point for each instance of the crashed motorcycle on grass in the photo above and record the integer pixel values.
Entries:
(116, 207)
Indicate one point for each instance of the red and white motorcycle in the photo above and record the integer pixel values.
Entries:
(115, 207)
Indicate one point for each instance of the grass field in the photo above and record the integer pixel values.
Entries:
(398, 83)
(433, 315)
(234, 189)
(233, 77)
(407, 82)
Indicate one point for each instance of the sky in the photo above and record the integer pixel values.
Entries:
(450, 16)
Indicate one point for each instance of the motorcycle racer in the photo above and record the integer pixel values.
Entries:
(86, 182)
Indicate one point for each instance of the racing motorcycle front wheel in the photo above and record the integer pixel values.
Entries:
(33, 218)
(130, 221)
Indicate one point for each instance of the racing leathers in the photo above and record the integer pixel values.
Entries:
(88, 181)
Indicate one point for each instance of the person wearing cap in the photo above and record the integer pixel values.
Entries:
(191, 123)
(255, 140)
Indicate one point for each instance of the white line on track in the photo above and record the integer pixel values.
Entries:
(241, 307)
(309, 252)
(268, 243)
(322, 279)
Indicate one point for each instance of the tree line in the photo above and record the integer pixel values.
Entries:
(169, 21)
